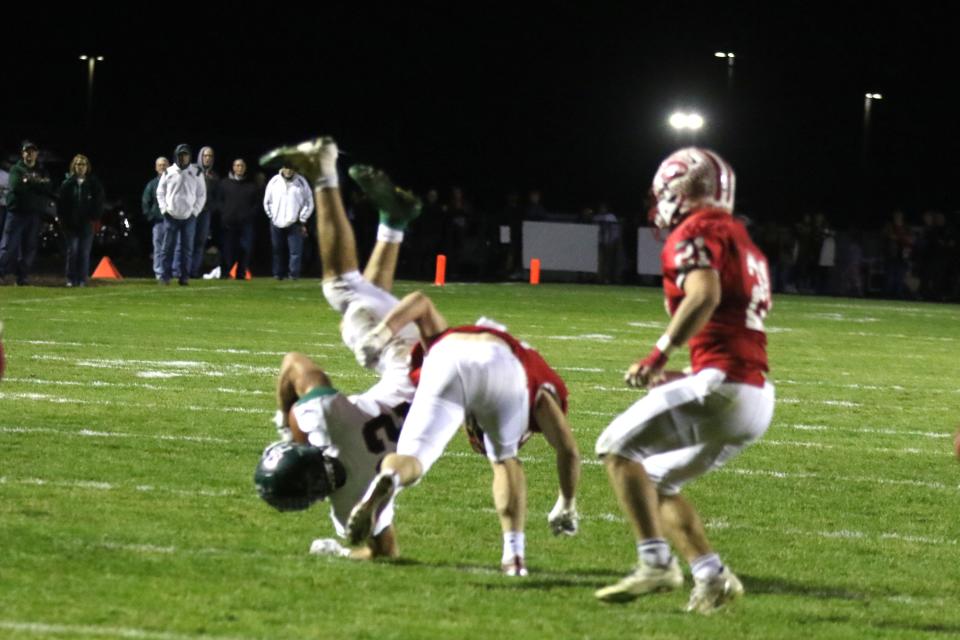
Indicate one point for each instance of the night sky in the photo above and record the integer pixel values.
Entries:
(571, 98)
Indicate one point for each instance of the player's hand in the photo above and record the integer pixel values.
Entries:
(563, 518)
(647, 372)
(368, 348)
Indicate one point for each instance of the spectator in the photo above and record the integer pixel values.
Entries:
(898, 244)
(79, 207)
(808, 253)
(29, 198)
(240, 200)
(506, 237)
(611, 247)
(826, 256)
(288, 203)
(181, 194)
(211, 208)
(153, 215)
(4, 185)
(535, 209)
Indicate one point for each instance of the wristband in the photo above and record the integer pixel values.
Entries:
(665, 344)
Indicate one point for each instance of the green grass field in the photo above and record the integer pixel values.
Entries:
(132, 416)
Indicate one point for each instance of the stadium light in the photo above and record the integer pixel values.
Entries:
(874, 96)
(682, 121)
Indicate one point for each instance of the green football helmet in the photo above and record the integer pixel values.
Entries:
(291, 476)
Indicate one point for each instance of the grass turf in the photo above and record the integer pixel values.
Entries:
(132, 416)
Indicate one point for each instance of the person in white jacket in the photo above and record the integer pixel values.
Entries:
(288, 202)
(181, 194)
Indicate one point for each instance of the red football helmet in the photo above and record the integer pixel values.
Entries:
(689, 179)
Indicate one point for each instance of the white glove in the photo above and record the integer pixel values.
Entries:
(563, 518)
(328, 547)
(369, 347)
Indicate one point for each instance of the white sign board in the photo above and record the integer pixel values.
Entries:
(649, 244)
(562, 246)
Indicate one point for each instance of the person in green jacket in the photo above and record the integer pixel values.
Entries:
(151, 211)
(79, 208)
(29, 198)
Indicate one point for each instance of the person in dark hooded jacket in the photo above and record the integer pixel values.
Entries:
(79, 208)
(240, 200)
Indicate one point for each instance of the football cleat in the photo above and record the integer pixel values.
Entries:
(398, 207)
(514, 568)
(644, 579)
(364, 515)
(708, 596)
(312, 158)
(563, 519)
(328, 547)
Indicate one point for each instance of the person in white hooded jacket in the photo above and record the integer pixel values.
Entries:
(288, 202)
(181, 194)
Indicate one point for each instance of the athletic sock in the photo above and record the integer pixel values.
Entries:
(389, 234)
(654, 552)
(706, 566)
(513, 545)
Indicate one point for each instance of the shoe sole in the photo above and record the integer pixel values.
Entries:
(628, 596)
(363, 516)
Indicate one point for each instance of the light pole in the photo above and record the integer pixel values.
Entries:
(91, 64)
(868, 99)
(730, 56)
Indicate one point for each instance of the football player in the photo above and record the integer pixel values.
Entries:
(717, 292)
(480, 375)
(337, 441)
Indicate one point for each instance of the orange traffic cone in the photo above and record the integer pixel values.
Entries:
(233, 273)
(106, 271)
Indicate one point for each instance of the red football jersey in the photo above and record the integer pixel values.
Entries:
(539, 373)
(733, 340)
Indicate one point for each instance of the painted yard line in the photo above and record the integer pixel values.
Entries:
(902, 336)
(839, 534)
(863, 387)
(40, 397)
(93, 485)
(226, 350)
(582, 369)
(95, 384)
(194, 367)
(89, 433)
(832, 403)
(823, 445)
(122, 292)
(870, 430)
(87, 630)
(790, 475)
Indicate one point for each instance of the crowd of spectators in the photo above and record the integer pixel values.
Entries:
(901, 257)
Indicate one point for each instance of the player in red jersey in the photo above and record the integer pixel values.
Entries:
(483, 375)
(717, 292)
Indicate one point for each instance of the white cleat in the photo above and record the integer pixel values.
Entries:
(644, 579)
(563, 522)
(514, 568)
(328, 547)
(708, 596)
(365, 513)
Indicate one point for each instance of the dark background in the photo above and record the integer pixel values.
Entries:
(569, 97)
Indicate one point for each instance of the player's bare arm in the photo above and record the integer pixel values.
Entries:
(563, 518)
(416, 308)
(702, 291)
(298, 375)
